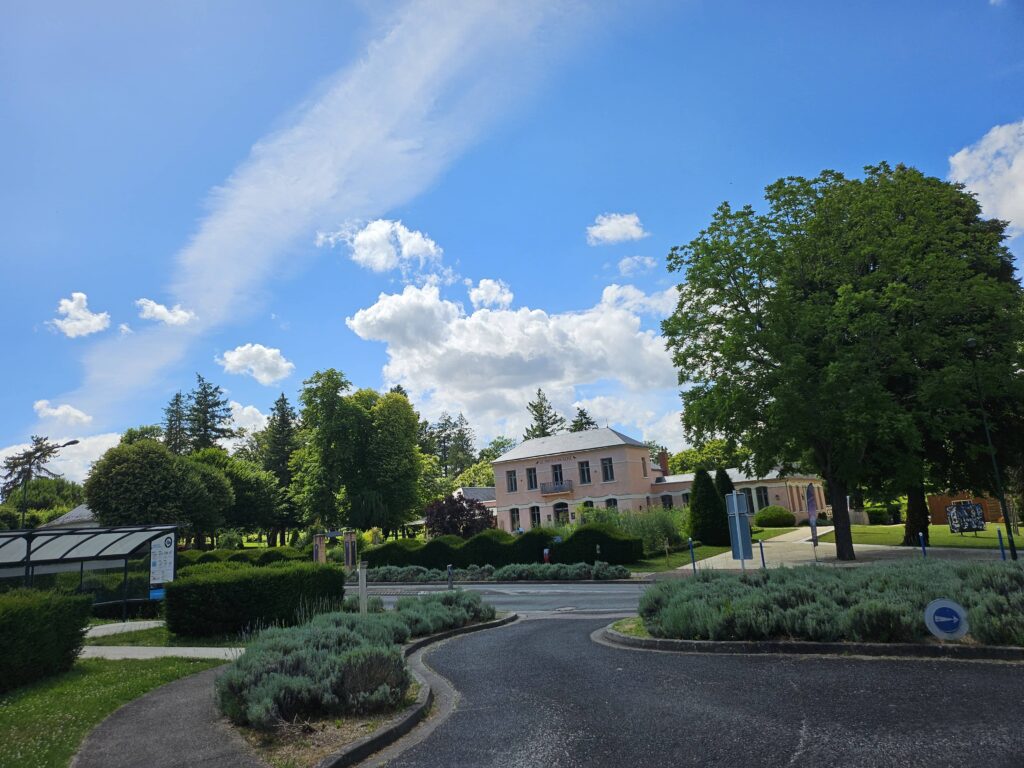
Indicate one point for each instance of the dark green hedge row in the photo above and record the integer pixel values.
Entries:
(41, 634)
(221, 599)
(499, 548)
(253, 556)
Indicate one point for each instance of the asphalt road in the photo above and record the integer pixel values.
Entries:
(540, 693)
(574, 597)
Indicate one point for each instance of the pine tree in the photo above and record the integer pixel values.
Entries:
(280, 439)
(451, 440)
(582, 422)
(176, 425)
(724, 483)
(546, 420)
(709, 523)
(208, 416)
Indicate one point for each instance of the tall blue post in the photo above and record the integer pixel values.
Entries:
(920, 538)
(761, 545)
(1002, 552)
(693, 557)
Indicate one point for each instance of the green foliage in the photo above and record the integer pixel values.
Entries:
(560, 572)
(774, 516)
(480, 475)
(712, 454)
(496, 448)
(231, 597)
(138, 483)
(456, 515)
(451, 440)
(48, 496)
(582, 421)
(546, 421)
(501, 548)
(338, 663)
(144, 432)
(255, 491)
(708, 520)
(723, 483)
(41, 634)
(207, 416)
(868, 604)
(653, 527)
(175, 425)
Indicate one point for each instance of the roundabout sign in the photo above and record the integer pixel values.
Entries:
(945, 619)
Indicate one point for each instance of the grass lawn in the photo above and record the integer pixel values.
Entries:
(658, 563)
(161, 637)
(41, 725)
(938, 536)
(633, 626)
(764, 534)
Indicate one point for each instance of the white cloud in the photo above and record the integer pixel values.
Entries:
(370, 138)
(643, 416)
(64, 414)
(489, 363)
(125, 329)
(78, 320)
(636, 265)
(632, 299)
(265, 364)
(247, 417)
(75, 461)
(993, 169)
(384, 245)
(615, 228)
(150, 310)
(491, 293)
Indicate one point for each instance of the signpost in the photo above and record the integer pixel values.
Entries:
(965, 517)
(161, 565)
(350, 549)
(319, 548)
(739, 528)
(812, 514)
(946, 619)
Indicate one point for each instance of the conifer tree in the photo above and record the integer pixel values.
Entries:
(708, 521)
(546, 421)
(176, 425)
(724, 483)
(582, 421)
(208, 416)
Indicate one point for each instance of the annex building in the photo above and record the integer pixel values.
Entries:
(543, 481)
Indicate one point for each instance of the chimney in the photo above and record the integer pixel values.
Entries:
(663, 462)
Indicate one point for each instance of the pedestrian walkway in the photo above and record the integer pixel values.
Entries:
(157, 652)
(795, 548)
(102, 630)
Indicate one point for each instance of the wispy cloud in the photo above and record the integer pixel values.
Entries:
(375, 135)
(993, 168)
(64, 414)
(150, 310)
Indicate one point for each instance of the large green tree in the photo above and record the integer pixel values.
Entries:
(451, 440)
(582, 421)
(546, 421)
(480, 475)
(256, 492)
(208, 416)
(709, 523)
(711, 454)
(175, 425)
(498, 446)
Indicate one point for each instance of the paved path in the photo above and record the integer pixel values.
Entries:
(175, 726)
(526, 598)
(156, 652)
(795, 548)
(541, 693)
(102, 630)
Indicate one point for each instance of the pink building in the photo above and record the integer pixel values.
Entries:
(542, 481)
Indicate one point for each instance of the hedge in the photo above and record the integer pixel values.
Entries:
(41, 634)
(232, 597)
(498, 548)
(774, 516)
(338, 663)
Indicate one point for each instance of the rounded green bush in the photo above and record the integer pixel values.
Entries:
(774, 516)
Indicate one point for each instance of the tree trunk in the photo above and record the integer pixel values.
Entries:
(917, 517)
(841, 518)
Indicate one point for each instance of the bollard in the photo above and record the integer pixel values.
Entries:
(451, 576)
(1002, 552)
(920, 538)
(362, 586)
(761, 545)
(693, 557)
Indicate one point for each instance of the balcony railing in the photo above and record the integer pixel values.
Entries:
(565, 486)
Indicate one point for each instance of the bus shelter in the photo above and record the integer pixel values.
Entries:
(125, 564)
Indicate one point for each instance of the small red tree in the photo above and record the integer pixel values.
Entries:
(458, 516)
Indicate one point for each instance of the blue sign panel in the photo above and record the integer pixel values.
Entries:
(946, 619)
(157, 594)
(739, 526)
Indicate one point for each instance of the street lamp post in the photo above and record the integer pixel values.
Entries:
(28, 476)
(971, 346)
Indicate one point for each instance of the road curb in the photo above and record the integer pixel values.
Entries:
(408, 719)
(494, 583)
(796, 647)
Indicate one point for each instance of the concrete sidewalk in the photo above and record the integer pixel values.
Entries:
(102, 630)
(153, 652)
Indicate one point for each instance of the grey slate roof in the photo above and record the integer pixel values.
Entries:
(79, 517)
(737, 476)
(478, 492)
(567, 442)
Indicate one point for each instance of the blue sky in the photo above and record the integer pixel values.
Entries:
(255, 191)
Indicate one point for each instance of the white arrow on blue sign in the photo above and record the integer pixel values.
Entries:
(946, 619)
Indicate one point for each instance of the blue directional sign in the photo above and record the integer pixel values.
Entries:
(739, 526)
(946, 619)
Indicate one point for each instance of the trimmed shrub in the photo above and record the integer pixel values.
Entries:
(774, 516)
(582, 546)
(231, 597)
(529, 548)
(41, 634)
(708, 520)
(493, 547)
(278, 554)
(400, 552)
(878, 516)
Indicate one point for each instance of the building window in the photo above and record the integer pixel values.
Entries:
(588, 504)
(762, 496)
(535, 517)
(531, 479)
(685, 499)
(584, 472)
(666, 501)
(562, 512)
(556, 474)
(750, 500)
(514, 515)
(510, 481)
(611, 503)
(607, 470)
(643, 463)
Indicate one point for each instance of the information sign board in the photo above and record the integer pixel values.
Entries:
(161, 560)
